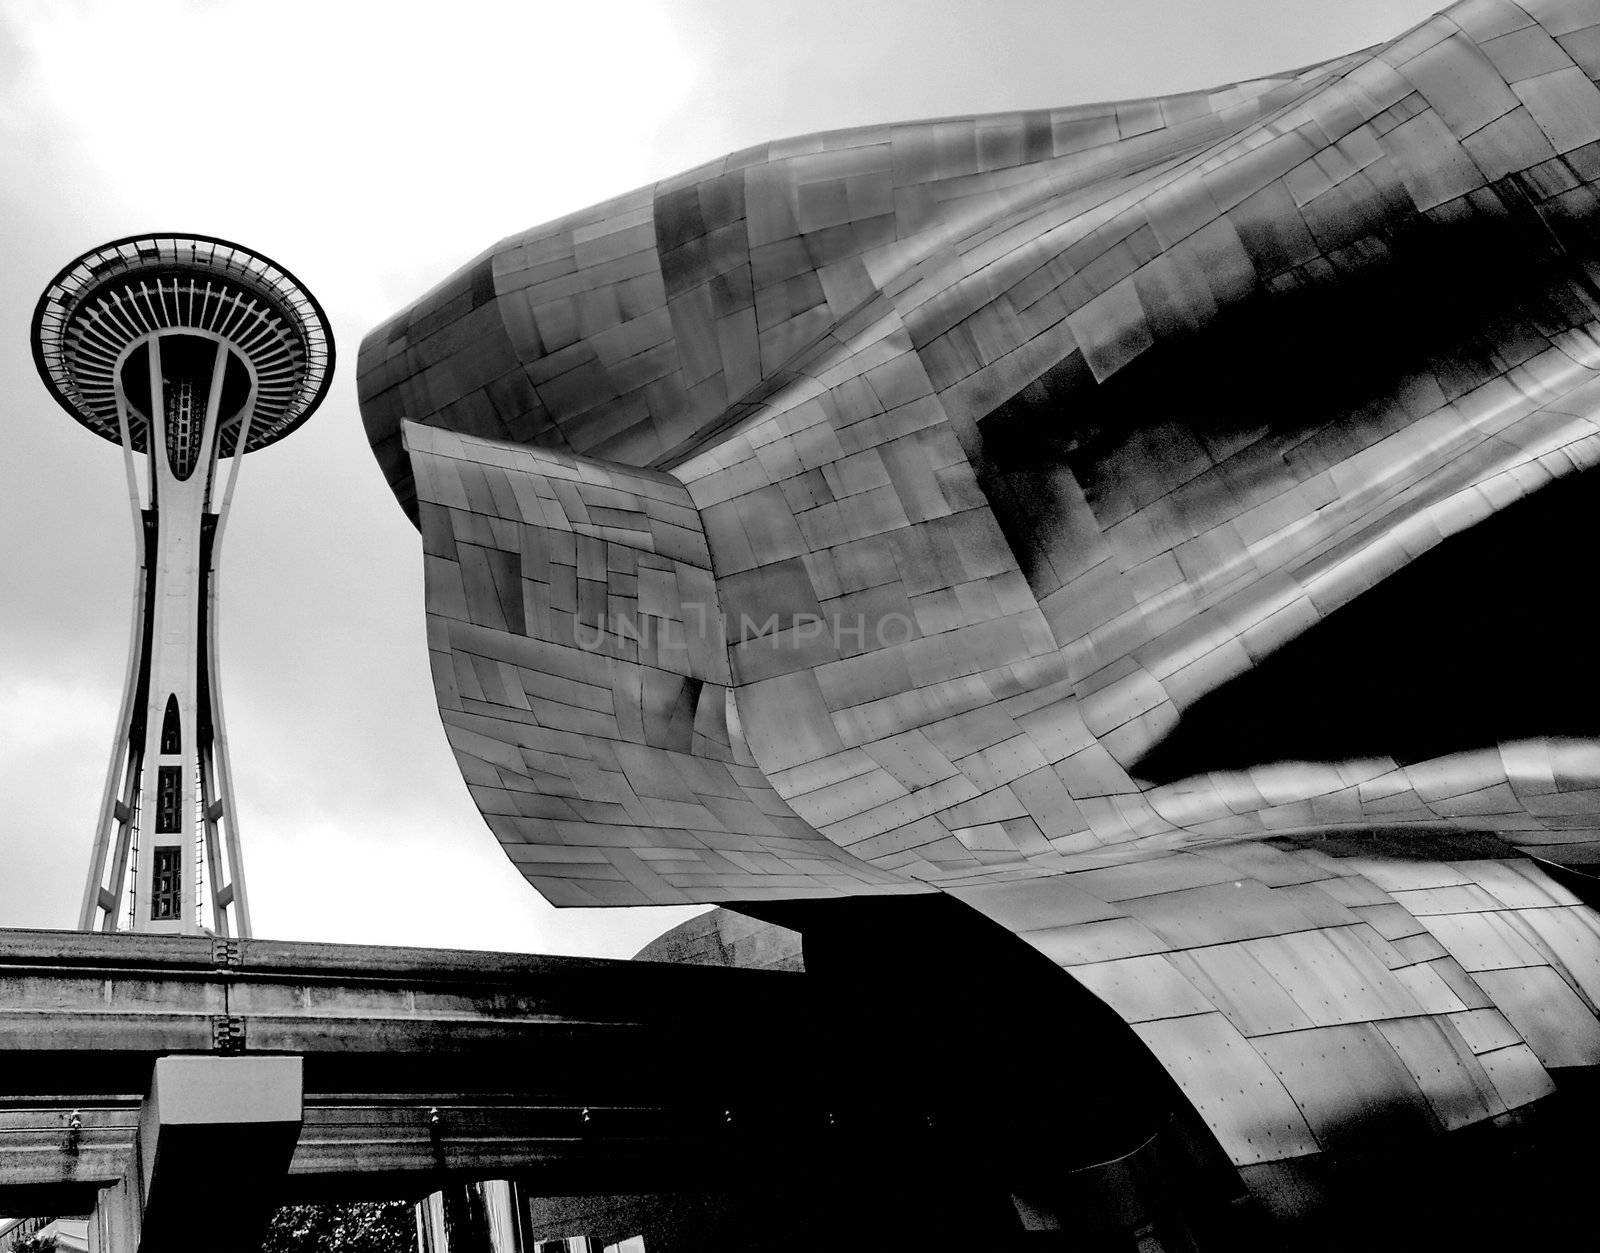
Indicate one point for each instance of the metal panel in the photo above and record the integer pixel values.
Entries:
(1239, 910)
(1573, 935)
(1038, 905)
(1557, 1024)
(1517, 1075)
(1242, 988)
(1485, 1030)
(1096, 941)
(1332, 976)
(1243, 1102)
(1450, 1076)
(1483, 941)
(1142, 989)
(1352, 1086)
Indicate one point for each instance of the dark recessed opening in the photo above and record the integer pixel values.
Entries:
(1484, 638)
(166, 888)
(1068, 456)
(169, 799)
(171, 728)
(185, 358)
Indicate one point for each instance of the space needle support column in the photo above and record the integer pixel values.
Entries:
(229, 896)
(114, 830)
(169, 734)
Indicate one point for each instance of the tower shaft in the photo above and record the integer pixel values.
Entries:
(166, 855)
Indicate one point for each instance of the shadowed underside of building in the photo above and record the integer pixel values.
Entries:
(1154, 528)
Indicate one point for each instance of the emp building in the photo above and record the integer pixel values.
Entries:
(1111, 577)
(187, 351)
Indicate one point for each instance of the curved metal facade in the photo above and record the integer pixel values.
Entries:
(913, 508)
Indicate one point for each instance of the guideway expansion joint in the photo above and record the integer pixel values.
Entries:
(227, 1034)
(227, 1029)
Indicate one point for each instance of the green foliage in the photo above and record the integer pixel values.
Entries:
(349, 1227)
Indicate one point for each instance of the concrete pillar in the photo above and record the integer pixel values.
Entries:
(500, 1209)
(471, 1218)
(215, 1138)
(431, 1234)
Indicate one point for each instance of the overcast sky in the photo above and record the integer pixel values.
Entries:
(372, 148)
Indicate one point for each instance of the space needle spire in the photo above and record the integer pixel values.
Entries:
(188, 351)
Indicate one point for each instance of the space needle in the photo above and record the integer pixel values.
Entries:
(187, 351)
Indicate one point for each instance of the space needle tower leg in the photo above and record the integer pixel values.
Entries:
(187, 352)
(168, 734)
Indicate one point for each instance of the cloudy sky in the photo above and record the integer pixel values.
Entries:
(372, 147)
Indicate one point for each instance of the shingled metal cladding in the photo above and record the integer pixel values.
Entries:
(910, 508)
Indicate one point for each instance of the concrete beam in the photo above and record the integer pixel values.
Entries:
(423, 1066)
(215, 1138)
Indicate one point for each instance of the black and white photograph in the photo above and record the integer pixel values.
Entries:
(702, 626)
